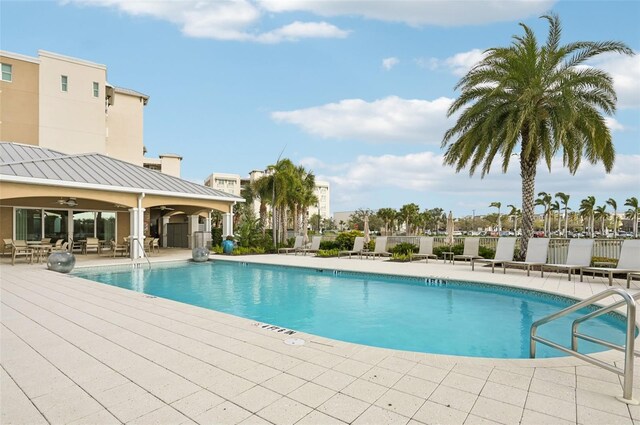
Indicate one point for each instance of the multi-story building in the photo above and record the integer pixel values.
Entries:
(233, 184)
(66, 104)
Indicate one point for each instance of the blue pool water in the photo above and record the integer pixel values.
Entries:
(403, 313)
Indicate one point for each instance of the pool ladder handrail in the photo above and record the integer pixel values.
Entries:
(144, 253)
(628, 348)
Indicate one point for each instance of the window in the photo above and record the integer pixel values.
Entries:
(7, 72)
(28, 224)
(64, 83)
(96, 89)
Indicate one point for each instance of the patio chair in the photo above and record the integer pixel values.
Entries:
(629, 262)
(21, 249)
(579, 256)
(358, 246)
(315, 245)
(115, 248)
(471, 248)
(155, 245)
(630, 276)
(91, 244)
(297, 246)
(537, 249)
(426, 249)
(504, 252)
(57, 247)
(7, 246)
(380, 248)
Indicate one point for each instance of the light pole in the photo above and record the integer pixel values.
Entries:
(318, 206)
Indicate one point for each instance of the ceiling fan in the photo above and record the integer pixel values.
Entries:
(165, 208)
(70, 202)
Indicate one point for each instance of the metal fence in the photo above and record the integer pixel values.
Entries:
(558, 247)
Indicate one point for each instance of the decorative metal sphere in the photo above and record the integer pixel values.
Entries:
(200, 254)
(62, 262)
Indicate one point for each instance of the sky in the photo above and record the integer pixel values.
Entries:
(356, 91)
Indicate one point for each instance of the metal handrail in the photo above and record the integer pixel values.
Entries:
(144, 253)
(628, 348)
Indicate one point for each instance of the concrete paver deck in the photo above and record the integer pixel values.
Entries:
(76, 351)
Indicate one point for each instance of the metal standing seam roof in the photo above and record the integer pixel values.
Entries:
(16, 152)
(97, 169)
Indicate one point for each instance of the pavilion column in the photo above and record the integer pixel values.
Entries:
(227, 225)
(165, 229)
(193, 227)
(136, 242)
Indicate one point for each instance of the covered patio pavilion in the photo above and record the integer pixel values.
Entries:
(48, 194)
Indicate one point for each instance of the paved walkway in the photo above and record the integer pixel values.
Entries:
(76, 351)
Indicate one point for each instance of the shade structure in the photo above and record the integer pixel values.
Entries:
(367, 238)
(449, 238)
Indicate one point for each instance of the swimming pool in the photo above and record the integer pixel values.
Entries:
(414, 314)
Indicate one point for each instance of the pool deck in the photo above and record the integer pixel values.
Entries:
(76, 351)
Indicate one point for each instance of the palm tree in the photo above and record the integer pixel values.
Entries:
(587, 207)
(554, 208)
(633, 203)
(386, 215)
(564, 198)
(409, 212)
(601, 214)
(544, 199)
(612, 202)
(514, 213)
(497, 205)
(540, 99)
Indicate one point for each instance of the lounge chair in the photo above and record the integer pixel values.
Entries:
(380, 248)
(629, 262)
(7, 246)
(124, 249)
(471, 249)
(504, 252)
(630, 276)
(537, 249)
(21, 249)
(91, 244)
(358, 246)
(297, 246)
(579, 256)
(315, 245)
(426, 249)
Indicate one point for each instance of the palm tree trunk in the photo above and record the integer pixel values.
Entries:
(566, 222)
(528, 175)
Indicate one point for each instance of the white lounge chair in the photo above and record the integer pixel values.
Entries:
(579, 256)
(315, 245)
(537, 250)
(358, 246)
(471, 249)
(504, 252)
(380, 249)
(297, 246)
(426, 249)
(629, 262)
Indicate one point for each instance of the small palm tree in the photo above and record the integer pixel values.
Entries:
(612, 202)
(587, 209)
(600, 213)
(555, 208)
(514, 213)
(544, 200)
(633, 203)
(497, 205)
(540, 99)
(564, 198)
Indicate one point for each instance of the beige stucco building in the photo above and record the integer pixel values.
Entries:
(67, 104)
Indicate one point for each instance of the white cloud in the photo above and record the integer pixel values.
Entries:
(220, 20)
(391, 119)
(421, 177)
(625, 71)
(388, 63)
(417, 12)
(458, 64)
(613, 124)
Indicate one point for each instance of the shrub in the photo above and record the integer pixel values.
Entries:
(216, 236)
(344, 241)
(328, 245)
(603, 260)
(459, 249)
(400, 257)
(328, 253)
(404, 248)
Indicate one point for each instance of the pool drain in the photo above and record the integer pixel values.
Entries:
(294, 341)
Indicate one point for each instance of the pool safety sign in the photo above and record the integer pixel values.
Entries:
(274, 328)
